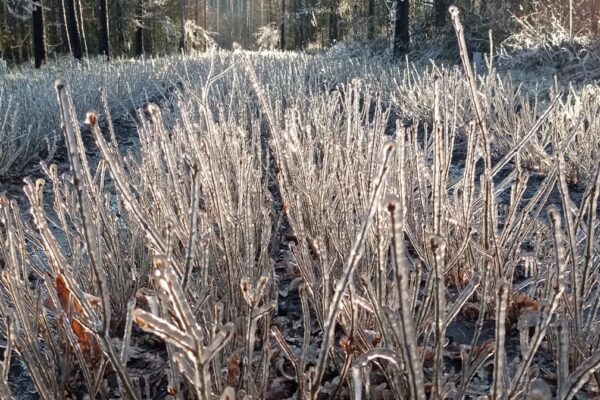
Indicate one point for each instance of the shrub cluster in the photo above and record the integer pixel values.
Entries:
(386, 213)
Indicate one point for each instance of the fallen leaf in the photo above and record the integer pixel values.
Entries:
(233, 371)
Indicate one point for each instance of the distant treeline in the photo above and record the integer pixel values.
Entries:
(38, 29)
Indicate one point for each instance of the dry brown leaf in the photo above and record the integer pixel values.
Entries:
(456, 279)
(518, 304)
(68, 302)
(233, 371)
(71, 306)
(350, 346)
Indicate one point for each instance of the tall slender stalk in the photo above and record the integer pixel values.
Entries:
(349, 268)
(394, 206)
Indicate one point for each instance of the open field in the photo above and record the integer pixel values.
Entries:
(298, 226)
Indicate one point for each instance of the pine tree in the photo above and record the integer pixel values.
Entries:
(441, 10)
(103, 30)
(372, 17)
(72, 28)
(401, 31)
(182, 27)
(594, 16)
(282, 26)
(333, 21)
(39, 34)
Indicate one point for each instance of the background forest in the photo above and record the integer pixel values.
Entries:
(124, 28)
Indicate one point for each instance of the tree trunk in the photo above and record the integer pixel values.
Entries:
(372, 15)
(182, 28)
(8, 53)
(139, 32)
(282, 26)
(24, 43)
(62, 35)
(103, 30)
(401, 32)
(15, 45)
(4, 29)
(204, 21)
(250, 20)
(81, 27)
(39, 35)
(74, 39)
(120, 28)
(306, 23)
(218, 16)
(333, 22)
(297, 25)
(241, 22)
(440, 10)
(594, 16)
(200, 17)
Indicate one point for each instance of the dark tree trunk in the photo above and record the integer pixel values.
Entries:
(120, 28)
(204, 19)
(39, 35)
(401, 32)
(8, 50)
(313, 24)
(139, 41)
(282, 26)
(61, 28)
(81, 27)
(372, 15)
(440, 10)
(594, 16)
(72, 29)
(246, 5)
(298, 22)
(139, 32)
(306, 25)
(104, 32)
(3, 30)
(182, 28)
(333, 22)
